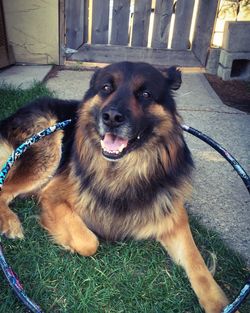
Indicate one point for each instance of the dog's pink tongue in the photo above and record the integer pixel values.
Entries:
(113, 143)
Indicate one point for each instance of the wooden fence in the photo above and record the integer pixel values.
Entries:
(155, 31)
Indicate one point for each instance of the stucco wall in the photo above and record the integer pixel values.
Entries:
(32, 30)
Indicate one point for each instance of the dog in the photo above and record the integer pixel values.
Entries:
(122, 169)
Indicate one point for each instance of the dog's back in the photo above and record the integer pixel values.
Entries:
(41, 161)
(36, 116)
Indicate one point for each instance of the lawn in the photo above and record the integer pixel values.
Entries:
(122, 277)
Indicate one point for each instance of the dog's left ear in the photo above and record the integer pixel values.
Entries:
(92, 90)
(174, 77)
(93, 78)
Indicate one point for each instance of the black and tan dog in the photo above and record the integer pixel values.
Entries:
(122, 169)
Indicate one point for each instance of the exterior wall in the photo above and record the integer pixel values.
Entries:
(235, 52)
(32, 30)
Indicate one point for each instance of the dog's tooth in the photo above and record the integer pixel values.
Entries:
(121, 147)
(112, 151)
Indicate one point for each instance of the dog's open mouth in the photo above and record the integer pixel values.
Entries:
(113, 147)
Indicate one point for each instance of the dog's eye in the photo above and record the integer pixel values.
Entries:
(146, 94)
(107, 88)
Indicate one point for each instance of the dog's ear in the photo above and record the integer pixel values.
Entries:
(93, 78)
(92, 89)
(174, 77)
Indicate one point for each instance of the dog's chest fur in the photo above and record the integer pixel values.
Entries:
(111, 224)
(116, 204)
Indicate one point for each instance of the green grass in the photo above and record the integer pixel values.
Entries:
(122, 277)
(13, 98)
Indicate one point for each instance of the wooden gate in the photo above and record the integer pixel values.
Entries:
(161, 32)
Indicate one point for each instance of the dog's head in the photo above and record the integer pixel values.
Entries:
(127, 105)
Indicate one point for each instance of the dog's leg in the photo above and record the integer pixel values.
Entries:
(178, 241)
(10, 225)
(62, 222)
(9, 222)
(28, 174)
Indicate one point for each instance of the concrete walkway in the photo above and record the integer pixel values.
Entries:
(219, 196)
(23, 76)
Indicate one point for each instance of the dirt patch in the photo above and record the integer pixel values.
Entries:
(234, 93)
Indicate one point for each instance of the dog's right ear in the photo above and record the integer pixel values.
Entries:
(174, 77)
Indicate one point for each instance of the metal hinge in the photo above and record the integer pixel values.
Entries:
(68, 50)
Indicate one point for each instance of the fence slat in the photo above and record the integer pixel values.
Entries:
(86, 22)
(74, 12)
(100, 21)
(163, 13)
(204, 28)
(141, 23)
(120, 19)
(183, 19)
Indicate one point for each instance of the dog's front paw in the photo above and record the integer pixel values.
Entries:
(214, 300)
(85, 245)
(215, 306)
(10, 226)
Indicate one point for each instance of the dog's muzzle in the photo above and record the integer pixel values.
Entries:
(115, 131)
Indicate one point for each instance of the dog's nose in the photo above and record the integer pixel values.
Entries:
(112, 117)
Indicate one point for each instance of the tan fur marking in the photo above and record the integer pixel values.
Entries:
(135, 108)
(5, 151)
(166, 126)
(9, 222)
(137, 82)
(59, 218)
(203, 282)
(118, 77)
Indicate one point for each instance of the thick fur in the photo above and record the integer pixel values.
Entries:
(86, 192)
